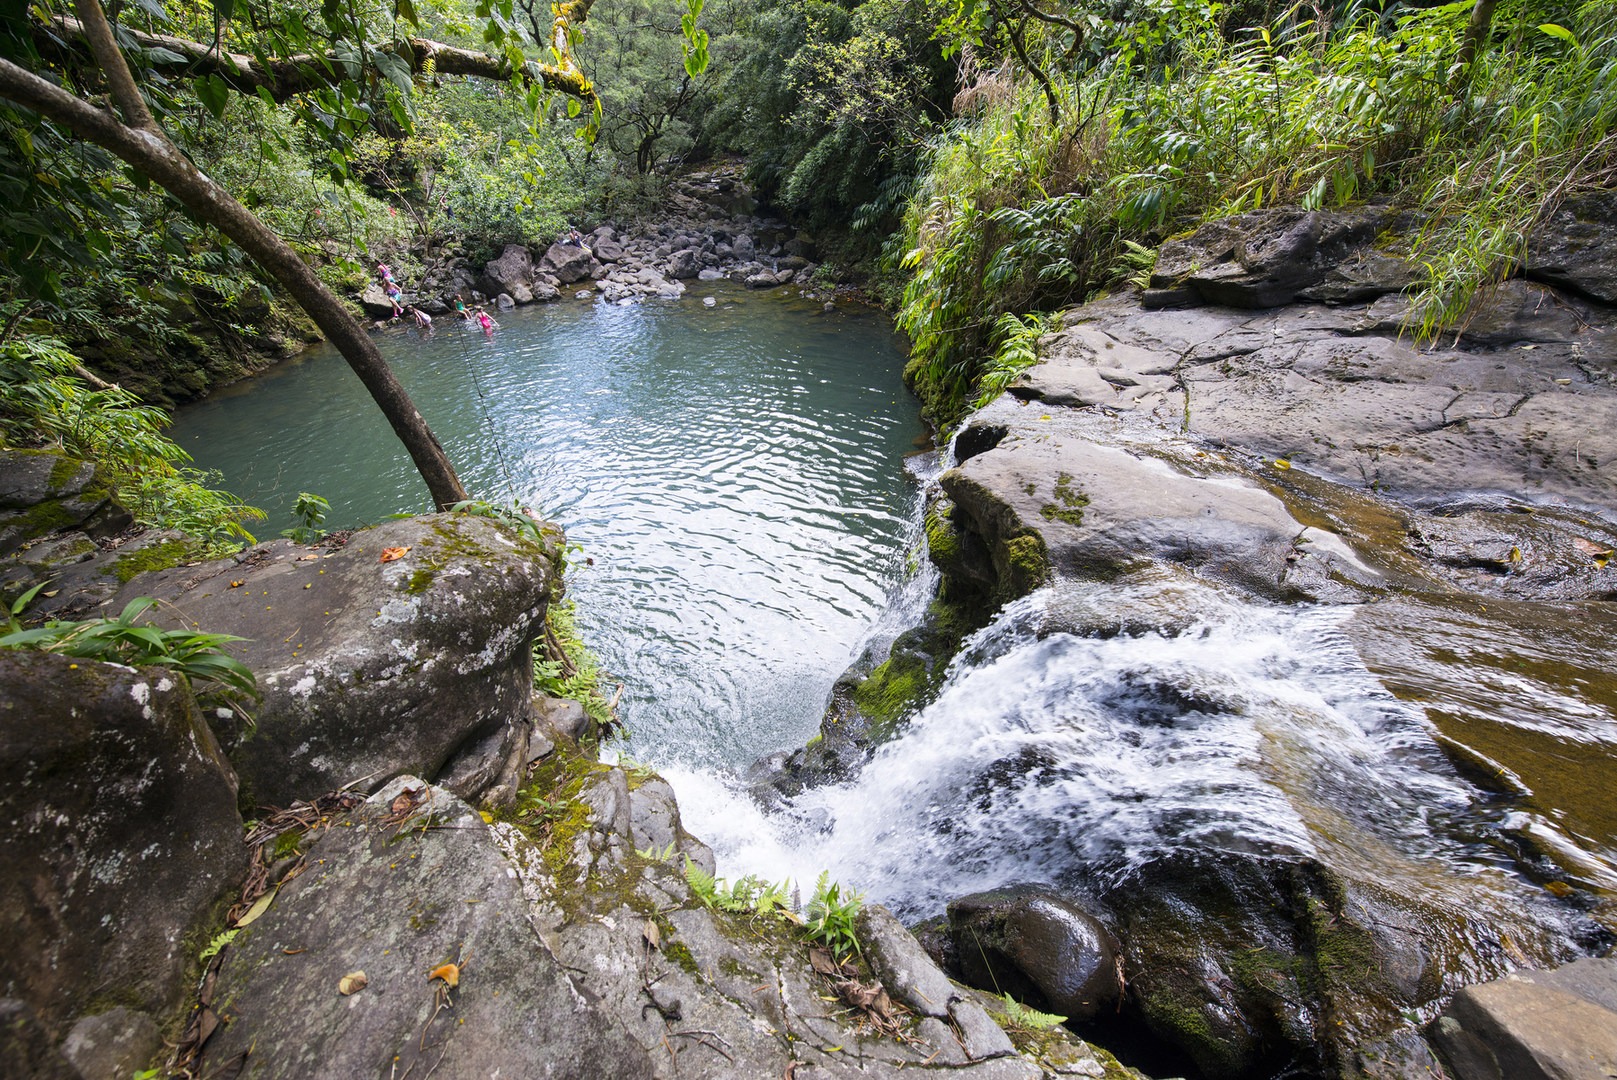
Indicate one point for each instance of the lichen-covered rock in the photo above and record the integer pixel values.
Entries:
(372, 668)
(43, 493)
(398, 894)
(121, 832)
(1572, 247)
(1270, 257)
(577, 956)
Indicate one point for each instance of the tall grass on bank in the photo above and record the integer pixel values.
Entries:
(1184, 121)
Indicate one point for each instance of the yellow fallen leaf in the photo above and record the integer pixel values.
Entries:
(352, 983)
(488, 818)
(237, 584)
(1515, 555)
(1282, 463)
(1558, 888)
(449, 973)
(261, 905)
(393, 553)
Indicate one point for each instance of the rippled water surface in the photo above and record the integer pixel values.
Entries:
(735, 473)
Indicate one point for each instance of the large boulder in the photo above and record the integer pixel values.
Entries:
(396, 894)
(684, 264)
(1535, 1025)
(1571, 248)
(578, 952)
(375, 301)
(373, 665)
(569, 262)
(511, 273)
(1266, 258)
(43, 492)
(122, 835)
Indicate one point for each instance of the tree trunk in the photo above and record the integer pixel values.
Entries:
(1476, 34)
(149, 151)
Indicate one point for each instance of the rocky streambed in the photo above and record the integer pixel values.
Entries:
(1417, 538)
(437, 875)
(706, 229)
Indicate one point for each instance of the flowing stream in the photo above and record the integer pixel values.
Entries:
(736, 477)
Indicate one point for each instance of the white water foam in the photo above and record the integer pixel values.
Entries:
(1072, 756)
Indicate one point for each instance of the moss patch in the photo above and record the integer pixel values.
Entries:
(1026, 565)
(157, 557)
(1069, 504)
(890, 692)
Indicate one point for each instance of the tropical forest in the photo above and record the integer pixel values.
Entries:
(796, 539)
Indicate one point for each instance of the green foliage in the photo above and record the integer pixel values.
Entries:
(564, 667)
(749, 895)
(44, 402)
(829, 918)
(310, 510)
(1016, 351)
(1171, 116)
(198, 657)
(1027, 1019)
(516, 517)
(218, 943)
(832, 104)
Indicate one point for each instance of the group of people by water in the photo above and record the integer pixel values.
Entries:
(395, 296)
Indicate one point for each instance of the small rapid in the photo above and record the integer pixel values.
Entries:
(1092, 730)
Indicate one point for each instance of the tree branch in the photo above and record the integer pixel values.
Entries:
(98, 33)
(289, 76)
(150, 152)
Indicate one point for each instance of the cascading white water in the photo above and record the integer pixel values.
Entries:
(1062, 756)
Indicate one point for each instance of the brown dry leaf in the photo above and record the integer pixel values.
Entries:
(1590, 548)
(653, 936)
(449, 973)
(260, 906)
(391, 554)
(308, 558)
(406, 800)
(352, 983)
(820, 960)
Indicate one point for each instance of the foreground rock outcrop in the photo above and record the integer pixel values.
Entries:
(122, 837)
